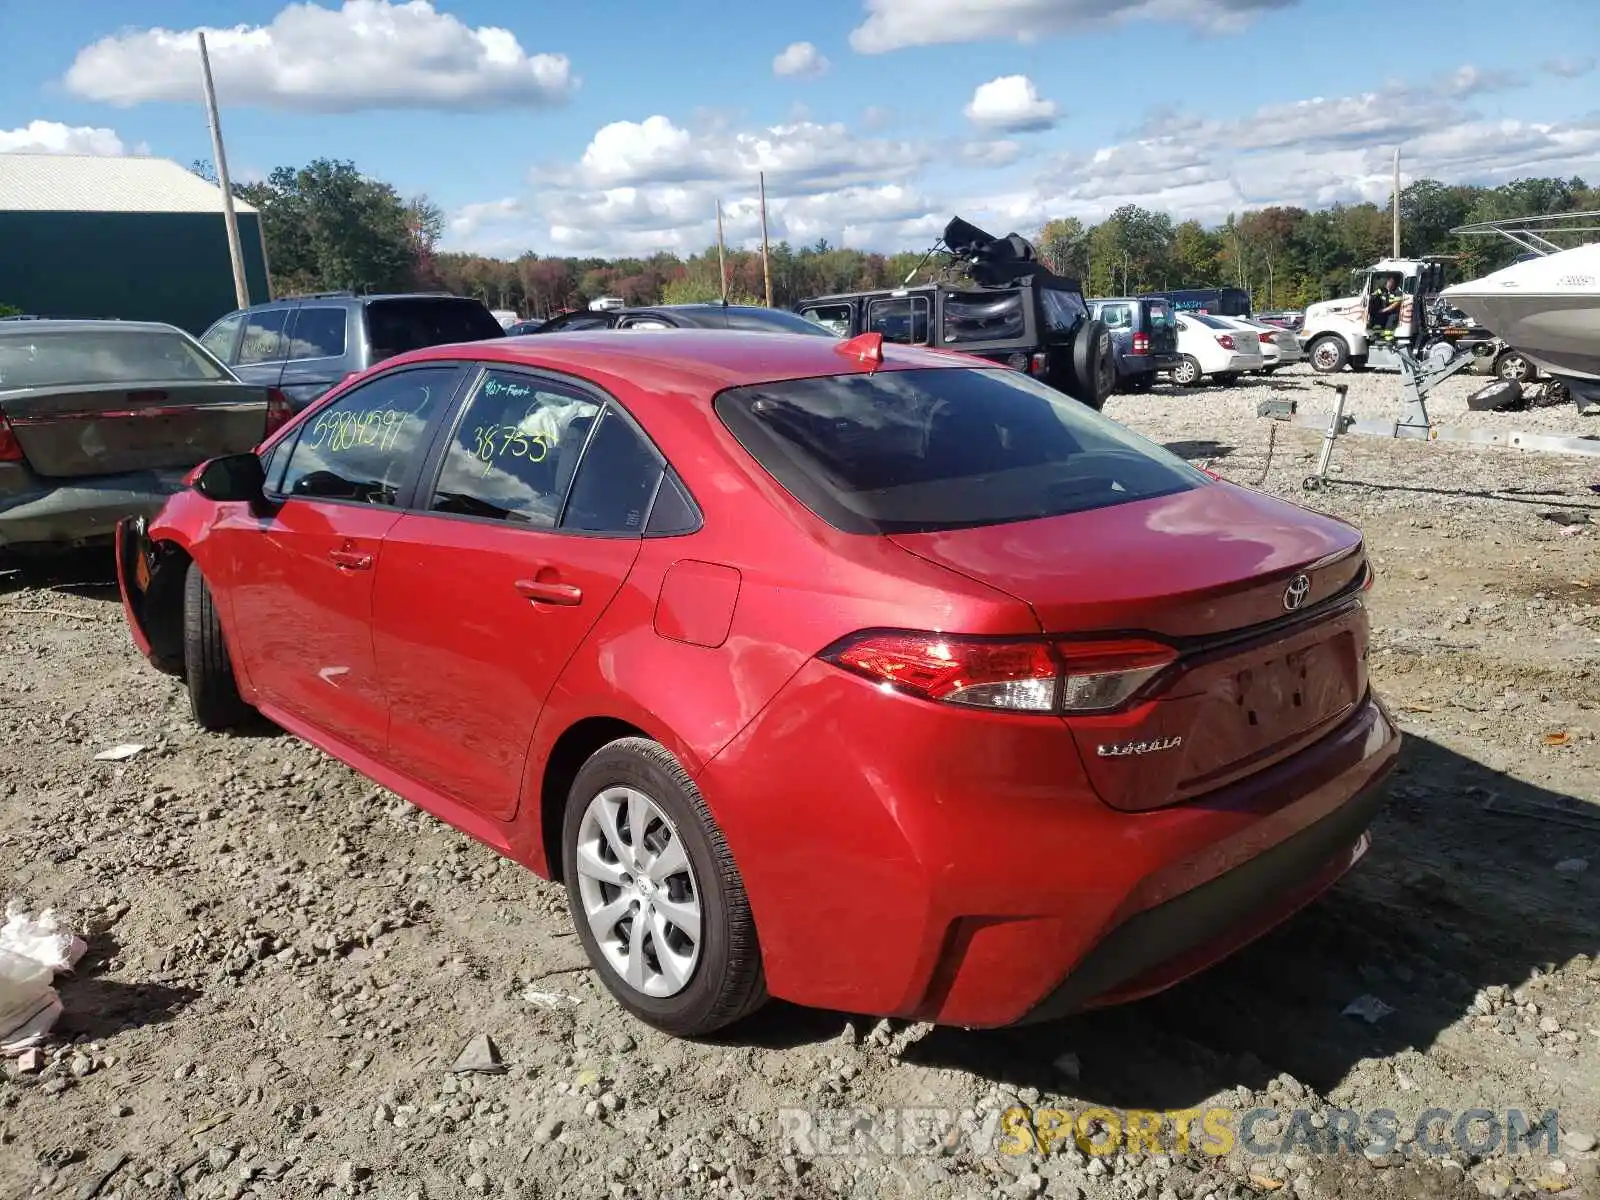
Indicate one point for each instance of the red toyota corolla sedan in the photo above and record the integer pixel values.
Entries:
(875, 678)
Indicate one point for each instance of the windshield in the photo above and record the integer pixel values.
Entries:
(930, 449)
(775, 320)
(65, 358)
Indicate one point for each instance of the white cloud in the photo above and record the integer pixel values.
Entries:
(52, 137)
(367, 54)
(897, 24)
(801, 156)
(801, 60)
(652, 185)
(1011, 103)
(1571, 68)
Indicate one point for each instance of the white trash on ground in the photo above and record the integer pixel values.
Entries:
(32, 950)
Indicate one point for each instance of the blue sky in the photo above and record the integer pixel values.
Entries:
(615, 126)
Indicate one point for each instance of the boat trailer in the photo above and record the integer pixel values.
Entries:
(1418, 379)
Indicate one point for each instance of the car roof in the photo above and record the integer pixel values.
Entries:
(683, 359)
(85, 325)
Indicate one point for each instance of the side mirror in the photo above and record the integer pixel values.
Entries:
(233, 477)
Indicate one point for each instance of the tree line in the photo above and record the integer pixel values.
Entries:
(327, 226)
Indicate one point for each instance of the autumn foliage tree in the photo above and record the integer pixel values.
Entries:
(328, 226)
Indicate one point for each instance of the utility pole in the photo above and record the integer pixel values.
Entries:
(230, 218)
(766, 254)
(1397, 201)
(722, 258)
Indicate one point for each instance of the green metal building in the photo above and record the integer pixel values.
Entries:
(138, 238)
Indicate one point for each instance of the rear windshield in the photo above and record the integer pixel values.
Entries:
(395, 326)
(69, 357)
(775, 321)
(1208, 319)
(983, 317)
(1160, 315)
(942, 448)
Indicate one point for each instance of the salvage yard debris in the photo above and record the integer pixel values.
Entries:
(32, 952)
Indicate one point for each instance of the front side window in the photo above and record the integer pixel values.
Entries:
(219, 339)
(263, 337)
(983, 317)
(515, 450)
(319, 332)
(930, 449)
(902, 319)
(360, 447)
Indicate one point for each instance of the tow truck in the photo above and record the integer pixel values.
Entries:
(1336, 333)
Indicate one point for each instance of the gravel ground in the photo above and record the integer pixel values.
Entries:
(285, 962)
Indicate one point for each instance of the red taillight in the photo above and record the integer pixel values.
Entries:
(278, 411)
(1225, 340)
(10, 448)
(1024, 676)
(1141, 343)
(1270, 339)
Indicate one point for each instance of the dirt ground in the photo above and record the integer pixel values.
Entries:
(285, 961)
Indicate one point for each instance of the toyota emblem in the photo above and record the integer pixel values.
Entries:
(1295, 594)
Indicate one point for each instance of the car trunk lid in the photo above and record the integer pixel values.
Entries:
(104, 429)
(1257, 597)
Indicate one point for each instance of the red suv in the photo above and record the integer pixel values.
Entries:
(883, 679)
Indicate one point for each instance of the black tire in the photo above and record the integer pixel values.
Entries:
(1328, 355)
(1186, 371)
(1225, 378)
(1512, 365)
(1093, 365)
(728, 982)
(1499, 395)
(207, 667)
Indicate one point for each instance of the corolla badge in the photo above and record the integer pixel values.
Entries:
(1125, 749)
(1295, 594)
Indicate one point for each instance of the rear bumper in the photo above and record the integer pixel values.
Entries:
(957, 868)
(82, 510)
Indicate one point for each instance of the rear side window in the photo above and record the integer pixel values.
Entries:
(318, 332)
(1062, 310)
(901, 319)
(983, 316)
(395, 326)
(930, 449)
(833, 317)
(263, 337)
(615, 482)
(1117, 316)
(515, 450)
(101, 356)
(360, 447)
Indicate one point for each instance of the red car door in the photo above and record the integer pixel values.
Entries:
(483, 599)
(302, 578)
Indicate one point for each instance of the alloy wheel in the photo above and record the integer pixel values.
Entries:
(639, 892)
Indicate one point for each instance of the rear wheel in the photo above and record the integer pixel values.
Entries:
(1186, 372)
(207, 667)
(1329, 354)
(655, 896)
(1226, 379)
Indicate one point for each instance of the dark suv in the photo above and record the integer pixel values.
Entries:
(303, 345)
(1144, 336)
(1040, 326)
